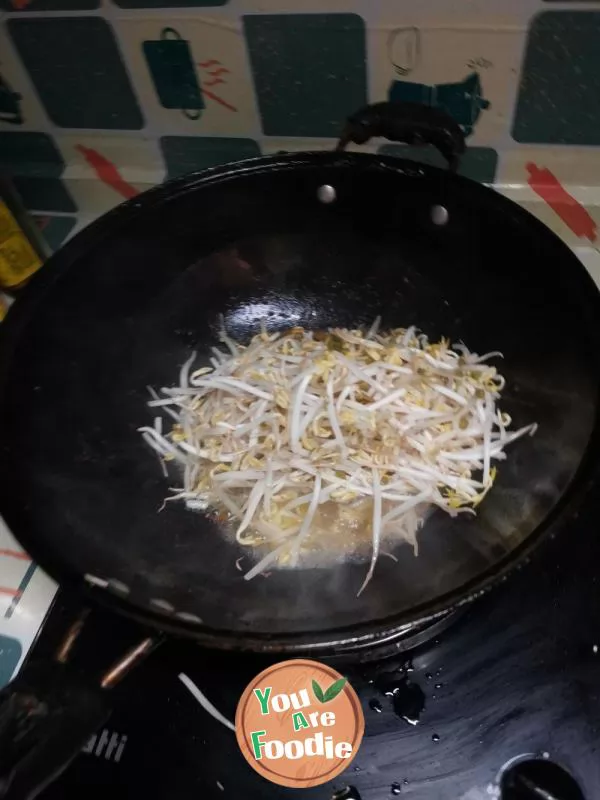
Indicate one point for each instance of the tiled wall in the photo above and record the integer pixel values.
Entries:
(101, 99)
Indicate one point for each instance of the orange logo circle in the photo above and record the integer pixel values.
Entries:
(299, 723)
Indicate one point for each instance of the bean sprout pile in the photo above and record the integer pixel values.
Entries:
(374, 427)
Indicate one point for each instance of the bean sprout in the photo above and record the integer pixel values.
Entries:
(380, 427)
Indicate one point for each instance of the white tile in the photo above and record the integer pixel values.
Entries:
(590, 258)
(26, 594)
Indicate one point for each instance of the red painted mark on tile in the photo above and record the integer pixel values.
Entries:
(572, 213)
(15, 554)
(10, 592)
(107, 172)
(218, 99)
(215, 80)
(214, 73)
(42, 222)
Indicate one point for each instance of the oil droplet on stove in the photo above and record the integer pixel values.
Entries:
(435, 737)
(408, 701)
(395, 788)
(428, 676)
(376, 706)
(438, 685)
(347, 793)
(357, 769)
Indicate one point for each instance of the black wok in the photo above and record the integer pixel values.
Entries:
(125, 303)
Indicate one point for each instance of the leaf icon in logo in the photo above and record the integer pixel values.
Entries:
(334, 690)
(318, 692)
(329, 694)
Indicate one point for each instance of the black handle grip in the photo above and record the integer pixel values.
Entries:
(411, 123)
(47, 714)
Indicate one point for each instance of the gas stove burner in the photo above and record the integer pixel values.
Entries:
(538, 778)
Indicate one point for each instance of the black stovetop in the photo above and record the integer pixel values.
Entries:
(516, 678)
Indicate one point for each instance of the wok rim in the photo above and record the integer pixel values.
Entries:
(338, 639)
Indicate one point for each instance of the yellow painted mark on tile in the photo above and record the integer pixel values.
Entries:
(18, 259)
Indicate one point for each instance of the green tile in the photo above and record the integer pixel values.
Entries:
(463, 100)
(173, 72)
(309, 71)
(54, 229)
(478, 163)
(559, 95)
(10, 103)
(44, 194)
(10, 655)
(50, 5)
(75, 65)
(30, 154)
(169, 3)
(185, 154)
(35, 164)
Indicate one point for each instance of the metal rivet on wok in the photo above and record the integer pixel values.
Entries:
(164, 605)
(439, 215)
(95, 580)
(326, 193)
(187, 617)
(118, 586)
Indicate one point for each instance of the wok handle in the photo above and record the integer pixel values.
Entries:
(49, 712)
(412, 123)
